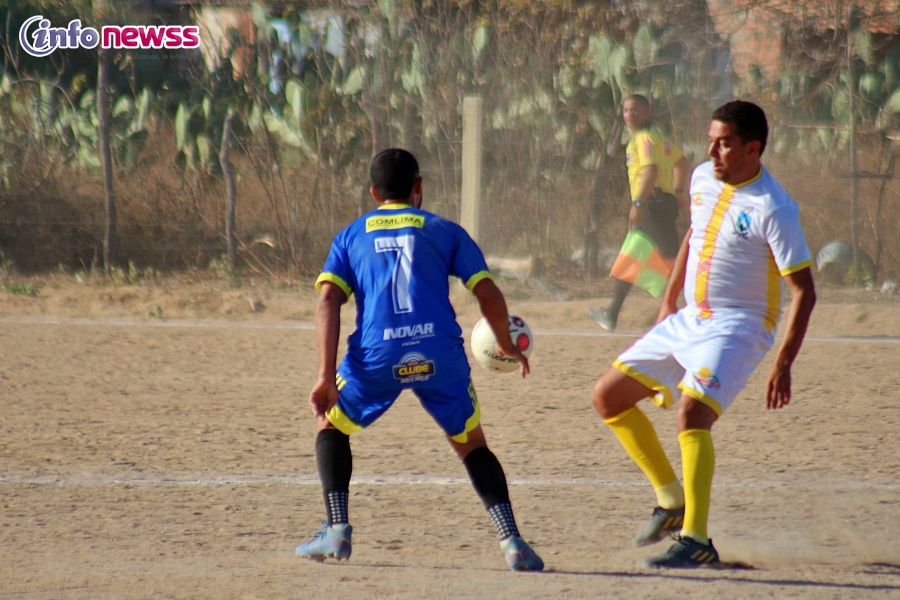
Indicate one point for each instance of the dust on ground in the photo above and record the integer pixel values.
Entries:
(155, 443)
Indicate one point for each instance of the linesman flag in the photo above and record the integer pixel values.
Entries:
(640, 263)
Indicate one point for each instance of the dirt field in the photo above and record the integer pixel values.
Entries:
(155, 443)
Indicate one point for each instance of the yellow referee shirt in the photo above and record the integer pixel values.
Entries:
(651, 147)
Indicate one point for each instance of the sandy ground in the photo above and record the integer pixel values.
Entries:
(155, 443)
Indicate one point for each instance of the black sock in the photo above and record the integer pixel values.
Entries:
(502, 516)
(335, 463)
(620, 290)
(489, 482)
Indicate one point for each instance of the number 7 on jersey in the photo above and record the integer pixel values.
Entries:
(402, 245)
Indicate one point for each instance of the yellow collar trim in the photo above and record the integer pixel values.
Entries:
(751, 180)
(394, 205)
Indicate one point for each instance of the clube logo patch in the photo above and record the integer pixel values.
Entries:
(413, 367)
(39, 38)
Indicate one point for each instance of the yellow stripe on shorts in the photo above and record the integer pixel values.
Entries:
(473, 421)
(702, 398)
(662, 398)
(341, 421)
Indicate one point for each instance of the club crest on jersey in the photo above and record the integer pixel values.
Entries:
(742, 225)
(413, 368)
(706, 378)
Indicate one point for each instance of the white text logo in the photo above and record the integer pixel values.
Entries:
(39, 39)
(418, 330)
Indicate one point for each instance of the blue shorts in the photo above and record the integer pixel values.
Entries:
(452, 404)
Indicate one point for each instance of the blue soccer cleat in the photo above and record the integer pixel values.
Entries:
(328, 542)
(519, 555)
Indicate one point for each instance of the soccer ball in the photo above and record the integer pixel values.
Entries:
(484, 343)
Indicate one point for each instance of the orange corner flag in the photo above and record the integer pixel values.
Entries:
(640, 263)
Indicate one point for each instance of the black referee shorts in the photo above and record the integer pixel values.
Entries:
(660, 213)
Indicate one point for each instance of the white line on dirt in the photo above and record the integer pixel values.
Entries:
(306, 326)
(225, 480)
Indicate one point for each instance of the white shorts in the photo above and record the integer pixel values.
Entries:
(709, 359)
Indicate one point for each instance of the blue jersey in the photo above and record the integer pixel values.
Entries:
(397, 261)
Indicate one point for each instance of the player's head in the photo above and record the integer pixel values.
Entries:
(395, 176)
(636, 111)
(737, 138)
(747, 119)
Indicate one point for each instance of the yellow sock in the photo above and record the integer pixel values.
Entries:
(698, 459)
(638, 437)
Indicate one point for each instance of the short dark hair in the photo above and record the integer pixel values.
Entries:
(642, 100)
(393, 173)
(748, 119)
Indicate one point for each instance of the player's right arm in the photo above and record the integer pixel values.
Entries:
(676, 280)
(493, 308)
(324, 394)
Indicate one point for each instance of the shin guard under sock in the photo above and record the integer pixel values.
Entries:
(489, 482)
(637, 435)
(335, 464)
(698, 460)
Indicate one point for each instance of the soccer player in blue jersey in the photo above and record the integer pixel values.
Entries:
(397, 261)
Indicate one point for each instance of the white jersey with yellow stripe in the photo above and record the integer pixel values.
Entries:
(744, 239)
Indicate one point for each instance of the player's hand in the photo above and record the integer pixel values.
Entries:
(636, 216)
(778, 388)
(323, 396)
(514, 352)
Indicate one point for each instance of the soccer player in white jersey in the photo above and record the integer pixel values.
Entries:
(397, 261)
(744, 243)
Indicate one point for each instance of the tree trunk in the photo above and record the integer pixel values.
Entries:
(854, 166)
(230, 200)
(109, 237)
(879, 238)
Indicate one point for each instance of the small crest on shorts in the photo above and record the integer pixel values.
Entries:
(706, 378)
(413, 368)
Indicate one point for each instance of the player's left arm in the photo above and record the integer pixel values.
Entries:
(493, 307)
(803, 299)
